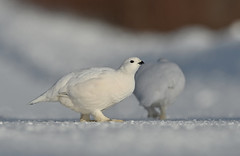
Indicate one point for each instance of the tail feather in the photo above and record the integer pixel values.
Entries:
(42, 98)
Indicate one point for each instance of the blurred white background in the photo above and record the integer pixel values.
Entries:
(38, 47)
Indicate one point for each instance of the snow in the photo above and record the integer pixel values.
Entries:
(171, 137)
(38, 47)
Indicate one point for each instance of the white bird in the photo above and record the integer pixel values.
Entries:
(92, 90)
(157, 85)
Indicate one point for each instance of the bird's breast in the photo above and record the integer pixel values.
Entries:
(124, 87)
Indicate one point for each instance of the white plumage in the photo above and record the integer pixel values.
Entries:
(92, 90)
(157, 85)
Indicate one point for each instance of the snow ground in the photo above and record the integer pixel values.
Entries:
(171, 137)
(38, 47)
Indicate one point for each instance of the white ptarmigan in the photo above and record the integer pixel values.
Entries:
(157, 85)
(92, 90)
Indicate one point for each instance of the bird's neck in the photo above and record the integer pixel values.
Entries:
(127, 71)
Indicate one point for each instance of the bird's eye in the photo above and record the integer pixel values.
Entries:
(131, 61)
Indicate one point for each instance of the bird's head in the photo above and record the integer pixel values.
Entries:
(131, 65)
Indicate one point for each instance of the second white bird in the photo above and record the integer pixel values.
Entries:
(157, 85)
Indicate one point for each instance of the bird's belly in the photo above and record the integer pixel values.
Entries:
(66, 101)
(98, 95)
(97, 101)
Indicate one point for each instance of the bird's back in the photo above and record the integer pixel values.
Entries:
(73, 78)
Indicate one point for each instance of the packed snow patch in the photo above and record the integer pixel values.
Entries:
(171, 137)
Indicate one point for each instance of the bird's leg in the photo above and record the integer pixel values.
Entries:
(163, 112)
(85, 118)
(152, 113)
(99, 117)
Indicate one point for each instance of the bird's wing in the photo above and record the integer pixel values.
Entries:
(89, 74)
(83, 76)
(174, 76)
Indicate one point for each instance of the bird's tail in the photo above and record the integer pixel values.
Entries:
(41, 98)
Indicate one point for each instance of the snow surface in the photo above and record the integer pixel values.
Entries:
(140, 138)
(38, 47)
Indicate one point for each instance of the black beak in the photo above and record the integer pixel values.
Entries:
(141, 63)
